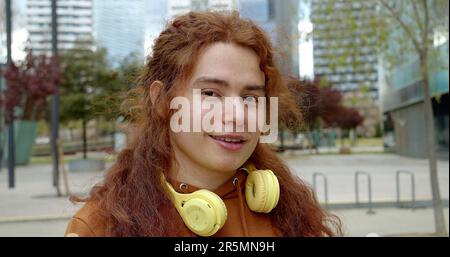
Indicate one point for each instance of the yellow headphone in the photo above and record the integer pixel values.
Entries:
(204, 212)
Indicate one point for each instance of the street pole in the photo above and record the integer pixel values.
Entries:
(1, 127)
(11, 150)
(55, 102)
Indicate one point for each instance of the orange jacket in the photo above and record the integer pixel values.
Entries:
(241, 220)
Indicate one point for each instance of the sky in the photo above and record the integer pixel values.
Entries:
(305, 51)
(20, 36)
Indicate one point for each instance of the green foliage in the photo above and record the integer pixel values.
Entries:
(42, 129)
(393, 28)
(378, 130)
(87, 80)
(130, 67)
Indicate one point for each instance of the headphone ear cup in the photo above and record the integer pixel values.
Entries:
(204, 213)
(198, 216)
(218, 205)
(262, 191)
(255, 191)
(274, 191)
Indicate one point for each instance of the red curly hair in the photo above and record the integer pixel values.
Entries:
(132, 199)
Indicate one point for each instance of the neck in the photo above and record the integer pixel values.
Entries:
(192, 173)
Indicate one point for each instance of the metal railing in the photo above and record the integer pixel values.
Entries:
(369, 183)
(413, 187)
(325, 182)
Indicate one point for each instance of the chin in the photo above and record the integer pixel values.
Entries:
(228, 163)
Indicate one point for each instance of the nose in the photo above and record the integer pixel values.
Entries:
(234, 114)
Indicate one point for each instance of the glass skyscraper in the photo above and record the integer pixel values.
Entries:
(120, 27)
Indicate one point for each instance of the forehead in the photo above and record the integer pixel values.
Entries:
(233, 63)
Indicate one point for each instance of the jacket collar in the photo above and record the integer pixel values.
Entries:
(224, 191)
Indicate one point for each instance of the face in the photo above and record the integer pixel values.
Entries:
(222, 70)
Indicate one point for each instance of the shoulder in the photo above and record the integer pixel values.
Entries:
(87, 222)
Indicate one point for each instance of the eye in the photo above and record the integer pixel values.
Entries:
(210, 93)
(250, 98)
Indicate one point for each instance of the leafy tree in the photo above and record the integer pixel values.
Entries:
(403, 30)
(322, 106)
(129, 68)
(418, 21)
(87, 81)
(30, 82)
(307, 95)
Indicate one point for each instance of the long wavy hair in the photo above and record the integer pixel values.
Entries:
(131, 198)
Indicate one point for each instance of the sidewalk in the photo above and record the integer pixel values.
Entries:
(386, 222)
(32, 208)
(340, 172)
(389, 222)
(34, 196)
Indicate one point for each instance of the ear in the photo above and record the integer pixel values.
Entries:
(155, 89)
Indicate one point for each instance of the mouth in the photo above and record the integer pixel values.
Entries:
(232, 142)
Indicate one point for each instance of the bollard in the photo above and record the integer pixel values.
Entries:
(369, 181)
(325, 181)
(413, 187)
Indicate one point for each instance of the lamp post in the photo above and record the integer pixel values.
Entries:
(55, 102)
(11, 146)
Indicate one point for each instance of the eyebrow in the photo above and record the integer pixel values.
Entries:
(224, 83)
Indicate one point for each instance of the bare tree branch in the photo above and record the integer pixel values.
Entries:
(417, 15)
(396, 15)
(426, 25)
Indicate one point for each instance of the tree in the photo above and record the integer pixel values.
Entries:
(344, 118)
(417, 24)
(318, 101)
(87, 81)
(130, 67)
(307, 95)
(322, 106)
(29, 84)
(402, 29)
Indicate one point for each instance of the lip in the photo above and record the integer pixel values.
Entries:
(231, 146)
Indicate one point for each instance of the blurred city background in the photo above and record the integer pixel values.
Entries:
(371, 77)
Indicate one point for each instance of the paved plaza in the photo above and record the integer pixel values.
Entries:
(32, 208)
(340, 173)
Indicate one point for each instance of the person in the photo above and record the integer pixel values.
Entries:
(170, 182)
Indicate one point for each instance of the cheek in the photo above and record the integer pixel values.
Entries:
(186, 137)
(254, 139)
(188, 142)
